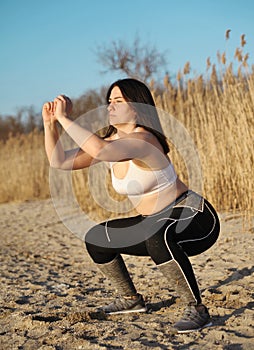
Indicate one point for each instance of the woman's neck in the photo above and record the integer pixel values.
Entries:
(124, 129)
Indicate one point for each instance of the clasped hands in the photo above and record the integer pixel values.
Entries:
(61, 107)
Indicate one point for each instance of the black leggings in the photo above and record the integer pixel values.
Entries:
(185, 228)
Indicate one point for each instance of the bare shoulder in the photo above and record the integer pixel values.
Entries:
(146, 135)
(141, 133)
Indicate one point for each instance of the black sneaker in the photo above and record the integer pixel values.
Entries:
(194, 319)
(124, 305)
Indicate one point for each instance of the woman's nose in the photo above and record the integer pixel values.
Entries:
(110, 106)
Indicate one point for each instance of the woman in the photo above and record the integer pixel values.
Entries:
(173, 222)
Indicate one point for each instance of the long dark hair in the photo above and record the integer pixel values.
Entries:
(137, 93)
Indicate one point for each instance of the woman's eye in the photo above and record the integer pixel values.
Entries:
(116, 101)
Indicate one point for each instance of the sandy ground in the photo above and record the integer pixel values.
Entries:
(50, 289)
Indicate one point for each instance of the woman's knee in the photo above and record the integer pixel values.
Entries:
(157, 249)
(100, 255)
(95, 247)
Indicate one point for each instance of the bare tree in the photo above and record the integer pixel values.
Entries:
(136, 61)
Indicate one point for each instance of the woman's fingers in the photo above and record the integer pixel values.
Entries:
(60, 106)
(63, 98)
(64, 101)
(48, 111)
(49, 106)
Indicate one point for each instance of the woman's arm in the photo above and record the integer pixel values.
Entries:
(58, 158)
(54, 150)
(135, 145)
(77, 159)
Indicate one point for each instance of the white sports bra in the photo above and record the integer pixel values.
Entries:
(138, 181)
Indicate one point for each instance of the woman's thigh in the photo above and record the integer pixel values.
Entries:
(200, 233)
(120, 236)
(186, 229)
(118, 233)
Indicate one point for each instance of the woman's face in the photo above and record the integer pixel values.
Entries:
(120, 111)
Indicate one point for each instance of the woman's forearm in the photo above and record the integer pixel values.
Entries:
(85, 139)
(53, 147)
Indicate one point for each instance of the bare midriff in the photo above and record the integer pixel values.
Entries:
(149, 204)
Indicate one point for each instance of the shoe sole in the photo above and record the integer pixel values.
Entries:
(126, 311)
(209, 324)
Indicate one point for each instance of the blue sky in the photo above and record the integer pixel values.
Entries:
(48, 47)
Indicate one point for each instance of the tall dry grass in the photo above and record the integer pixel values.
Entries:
(218, 113)
(24, 168)
(217, 110)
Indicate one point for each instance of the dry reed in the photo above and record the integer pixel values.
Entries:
(218, 113)
(24, 169)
